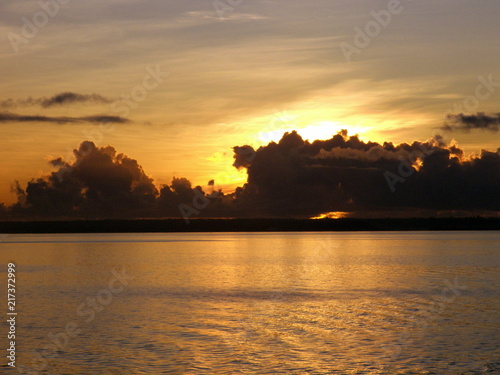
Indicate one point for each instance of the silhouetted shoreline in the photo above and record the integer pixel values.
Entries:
(248, 225)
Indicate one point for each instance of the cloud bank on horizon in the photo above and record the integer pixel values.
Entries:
(290, 178)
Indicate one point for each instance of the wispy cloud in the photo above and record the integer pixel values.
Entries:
(71, 97)
(64, 98)
(13, 117)
(466, 123)
(207, 15)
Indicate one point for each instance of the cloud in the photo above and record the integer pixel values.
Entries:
(13, 117)
(71, 97)
(466, 123)
(225, 15)
(290, 178)
(101, 183)
(64, 98)
(297, 178)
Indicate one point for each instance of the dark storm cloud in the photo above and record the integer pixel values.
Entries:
(13, 117)
(466, 123)
(295, 177)
(60, 99)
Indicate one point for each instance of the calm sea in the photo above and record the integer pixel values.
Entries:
(254, 303)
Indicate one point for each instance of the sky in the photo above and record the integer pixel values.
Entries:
(175, 85)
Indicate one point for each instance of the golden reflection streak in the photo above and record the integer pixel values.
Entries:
(331, 215)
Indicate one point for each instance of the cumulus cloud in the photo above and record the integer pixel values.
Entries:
(290, 178)
(13, 117)
(60, 99)
(297, 178)
(466, 123)
(101, 183)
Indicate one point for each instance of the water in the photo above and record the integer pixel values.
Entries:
(256, 303)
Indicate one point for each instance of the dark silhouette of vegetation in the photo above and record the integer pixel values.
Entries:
(248, 225)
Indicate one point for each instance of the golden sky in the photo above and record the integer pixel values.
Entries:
(193, 80)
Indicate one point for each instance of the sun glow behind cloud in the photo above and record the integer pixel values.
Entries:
(257, 131)
(262, 130)
(326, 129)
(227, 177)
(307, 125)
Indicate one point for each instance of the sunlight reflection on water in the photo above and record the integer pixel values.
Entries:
(260, 303)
